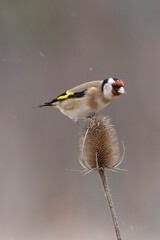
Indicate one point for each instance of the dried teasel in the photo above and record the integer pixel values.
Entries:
(99, 149)
(98, 145)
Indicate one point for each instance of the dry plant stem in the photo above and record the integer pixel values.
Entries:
(109, 200)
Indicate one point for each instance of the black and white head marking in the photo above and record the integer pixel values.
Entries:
(109, 81)
(103, 83)
(107, 87)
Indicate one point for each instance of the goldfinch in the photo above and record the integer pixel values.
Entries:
(87, 99)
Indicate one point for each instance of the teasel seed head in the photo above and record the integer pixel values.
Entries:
(98, 145)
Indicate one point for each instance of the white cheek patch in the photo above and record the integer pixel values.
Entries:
(107, 92)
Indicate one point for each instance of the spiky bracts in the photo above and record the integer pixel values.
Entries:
(98, 145)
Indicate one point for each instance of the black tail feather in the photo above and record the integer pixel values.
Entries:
(46, 104)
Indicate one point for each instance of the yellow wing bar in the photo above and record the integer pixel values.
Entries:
(65, 96)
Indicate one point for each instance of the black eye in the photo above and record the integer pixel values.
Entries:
(115, 87)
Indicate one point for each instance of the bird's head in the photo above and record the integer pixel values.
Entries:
(112, 87)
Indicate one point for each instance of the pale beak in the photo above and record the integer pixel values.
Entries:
(122, 90)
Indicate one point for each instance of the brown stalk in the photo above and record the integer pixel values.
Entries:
(110, 201)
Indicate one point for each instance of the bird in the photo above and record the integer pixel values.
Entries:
(86, 100)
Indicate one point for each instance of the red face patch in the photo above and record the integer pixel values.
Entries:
(115, 93)
(119, 83)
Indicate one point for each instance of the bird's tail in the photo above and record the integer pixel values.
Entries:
(46, 104)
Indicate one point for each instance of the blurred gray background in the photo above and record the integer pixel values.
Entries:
(47, 47)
